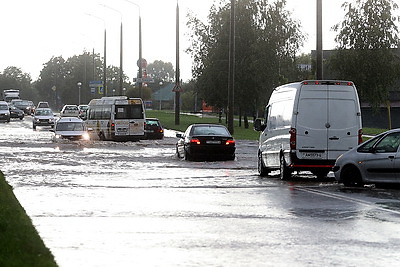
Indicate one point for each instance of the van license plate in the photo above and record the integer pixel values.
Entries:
(311, 155)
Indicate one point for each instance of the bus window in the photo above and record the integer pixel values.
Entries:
(128, 112)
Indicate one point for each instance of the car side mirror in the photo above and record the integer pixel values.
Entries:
(259, 126)
(179, 135)
(52, 130)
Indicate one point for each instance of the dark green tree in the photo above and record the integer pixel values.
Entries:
(367, 38)
(267, 39)
(161, 71)
(14, 78)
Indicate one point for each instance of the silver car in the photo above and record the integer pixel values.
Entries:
(374, 161)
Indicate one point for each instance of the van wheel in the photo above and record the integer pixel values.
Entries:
(351, 176)
(101, 136)
(262, 171)
(285, 172)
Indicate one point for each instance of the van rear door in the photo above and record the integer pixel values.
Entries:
(311, 130)
(328, 120)
(344, 119)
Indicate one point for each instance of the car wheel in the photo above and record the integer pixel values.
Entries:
(21, 118)
(262, 171)
(285, 172)
(351, 176)
(177, 152)
(187, 156)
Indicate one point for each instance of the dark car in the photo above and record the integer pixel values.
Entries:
(206, 141)
(153, 129)
(26, 106)
(16, 113)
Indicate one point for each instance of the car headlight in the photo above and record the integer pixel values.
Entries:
(85, 136)
(58, 136)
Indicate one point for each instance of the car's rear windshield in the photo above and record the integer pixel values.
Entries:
(210, 130)
(70, 126)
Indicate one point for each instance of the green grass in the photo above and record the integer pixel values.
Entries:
(20, 244)
(167, 119)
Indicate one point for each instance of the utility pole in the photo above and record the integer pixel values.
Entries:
(177, 88)
(320, 74)
(231, 77)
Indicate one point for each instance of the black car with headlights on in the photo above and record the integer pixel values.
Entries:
(16, 113)
(206, 141)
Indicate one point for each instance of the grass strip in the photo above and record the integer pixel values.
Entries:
(20, 243)
(167, 119)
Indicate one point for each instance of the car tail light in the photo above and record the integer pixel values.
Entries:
(360, 140)
(292, 138)
(195, 141)
(230, 142)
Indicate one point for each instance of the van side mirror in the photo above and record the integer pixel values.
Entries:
(259, 126)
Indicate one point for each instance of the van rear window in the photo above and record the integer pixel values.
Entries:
(128, 112)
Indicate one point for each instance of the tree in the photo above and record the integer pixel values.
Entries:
(267, 40)
(366, 39)
(14, 78)
(161, 71)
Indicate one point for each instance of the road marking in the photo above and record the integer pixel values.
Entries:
(346, 198)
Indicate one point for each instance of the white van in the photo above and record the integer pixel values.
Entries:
(307, 125)
(116, 118)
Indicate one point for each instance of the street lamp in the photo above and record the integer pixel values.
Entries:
(140, 49)
(79, 94)
(121, 49)
(105, 55)
(160, 83)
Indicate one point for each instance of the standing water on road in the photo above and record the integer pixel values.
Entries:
(136, 204)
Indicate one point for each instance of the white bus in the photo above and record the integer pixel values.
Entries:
(116, 118)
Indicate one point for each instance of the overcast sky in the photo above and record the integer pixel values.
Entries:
(34, 31)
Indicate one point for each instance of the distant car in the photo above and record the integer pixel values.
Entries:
(24, 105)
(69, 111)
(82, 111)
(4, 111)
(16, 113)
(71, 128)
(374, 161)
(206, 141)
(43, 117)
(153, 129)
(43, 104)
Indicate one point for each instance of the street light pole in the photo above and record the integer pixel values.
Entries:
(140, 75)
(120, 52)
(105, 55)
(79, 93)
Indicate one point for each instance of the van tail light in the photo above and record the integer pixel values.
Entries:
(230, 142)
(360, 133)
(292, 138)
(195, 141)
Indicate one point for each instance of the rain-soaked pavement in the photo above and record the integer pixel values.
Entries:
(136, 204)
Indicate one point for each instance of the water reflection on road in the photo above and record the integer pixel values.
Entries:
(136, 204)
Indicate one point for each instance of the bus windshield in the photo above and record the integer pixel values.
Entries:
(128, 112)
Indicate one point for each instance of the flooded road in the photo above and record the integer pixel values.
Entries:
(136, 204)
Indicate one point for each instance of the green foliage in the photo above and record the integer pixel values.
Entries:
(20, 244)
(366, 41)
(161, 71)
(13, 78)
(267, 40)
